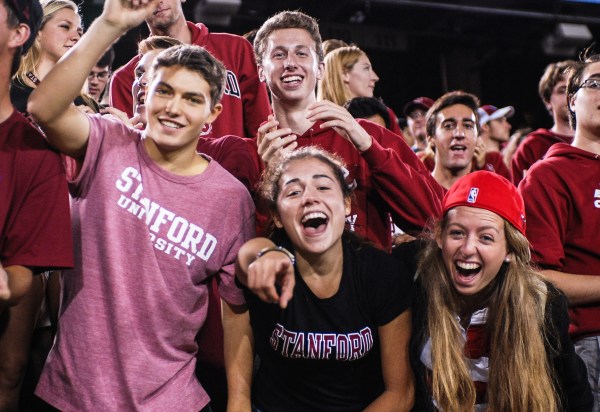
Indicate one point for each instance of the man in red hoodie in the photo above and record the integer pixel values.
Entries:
(553, 91)
(389, 179)
(562, 200)
(245, 102)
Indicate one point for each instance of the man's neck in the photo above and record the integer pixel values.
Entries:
(292, 116)
(562, 128)
(491, 145)
(182, 162)
(446, 177)
(179, 31)
(588, 140)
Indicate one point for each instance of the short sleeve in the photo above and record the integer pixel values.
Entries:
(228, 288)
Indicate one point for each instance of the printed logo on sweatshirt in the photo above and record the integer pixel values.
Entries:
(327, 346)
(169, 233)
(232, 87)
(597, 198)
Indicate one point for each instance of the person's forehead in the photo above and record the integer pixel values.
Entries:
(591, 70)
(290, 38)
(68, 14)
(561, 82)
(148, 58)
(456, 111)
(100, 68)
(192, 81)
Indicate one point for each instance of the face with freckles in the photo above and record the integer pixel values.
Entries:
(311, 206)
(473, 247)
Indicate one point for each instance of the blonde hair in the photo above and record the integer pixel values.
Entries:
(520, 375)
(31, 60)
(337, 63)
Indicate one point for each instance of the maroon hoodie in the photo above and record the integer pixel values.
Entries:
(562, 203)
(532, 149)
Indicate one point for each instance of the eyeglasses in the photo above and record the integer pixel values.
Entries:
(593, 84)
(101, 76)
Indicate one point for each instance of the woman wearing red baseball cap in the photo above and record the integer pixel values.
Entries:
(490, 332)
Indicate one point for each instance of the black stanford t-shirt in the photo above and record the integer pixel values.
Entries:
(323, 354)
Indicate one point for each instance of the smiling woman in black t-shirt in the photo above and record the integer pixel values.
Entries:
(340, 341)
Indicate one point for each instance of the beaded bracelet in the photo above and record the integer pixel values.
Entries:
(281, 249)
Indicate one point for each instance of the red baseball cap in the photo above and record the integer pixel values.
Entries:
(490, 191)
(423, 103)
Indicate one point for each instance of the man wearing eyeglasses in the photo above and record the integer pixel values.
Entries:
(98, 77)
(562, 199)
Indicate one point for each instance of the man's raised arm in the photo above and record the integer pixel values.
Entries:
(66, 127)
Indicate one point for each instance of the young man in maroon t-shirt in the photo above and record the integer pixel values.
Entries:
(35, 227)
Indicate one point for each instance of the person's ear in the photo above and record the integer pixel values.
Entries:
(277, 221)
(261, 73)
(431, 141)
(347, 206)
(320, 69)
(19, 36)
(214, 113)
(571, 102)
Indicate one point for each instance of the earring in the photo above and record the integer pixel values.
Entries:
(507, 259)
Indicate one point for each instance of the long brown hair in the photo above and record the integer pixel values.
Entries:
(520, 376)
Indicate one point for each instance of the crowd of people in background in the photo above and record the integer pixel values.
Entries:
(226, 225)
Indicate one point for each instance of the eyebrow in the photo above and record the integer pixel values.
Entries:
(317, 176)
(480, 229)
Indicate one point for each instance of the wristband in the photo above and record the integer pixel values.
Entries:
(281, 249)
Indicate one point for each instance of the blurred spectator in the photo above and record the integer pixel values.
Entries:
(495, 128)
(369, 108)
(415, 112)
(553, 92)
(347, 74)
(330, 45)
(99, 76)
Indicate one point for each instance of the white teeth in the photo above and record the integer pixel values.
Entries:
(458, 147)
(292, 79)
(170, 124)
(313, 215)
(468, 266)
